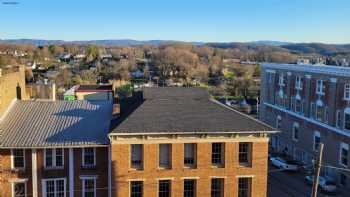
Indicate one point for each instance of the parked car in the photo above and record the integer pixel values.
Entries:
(283, 164)
(324, 184)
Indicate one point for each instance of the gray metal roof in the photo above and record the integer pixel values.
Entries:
(185, 110)
(56, 123)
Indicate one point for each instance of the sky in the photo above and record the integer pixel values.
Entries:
(326, 21)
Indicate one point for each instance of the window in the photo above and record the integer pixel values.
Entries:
(319, 112)
(89, 186)
(313, 110)
(281, 80)
(136, 188)
(217, 187)
(344, 154)
(164, 155)
(19, 189)
(164, 188)
(279, 122)
(347, 120)
(320, 87)
(245, 153)
(343, 179)
(54, 187)
(217, 154)
(244, 187)
(53, 158)
(298, 83)
(190, 155)
(18, 158)
(317, 140)
(89, 157)
(137, 156)
(338, 121)
(295, 131)
(326, 114)
(298, 105)
(189, 188)
(347, 91)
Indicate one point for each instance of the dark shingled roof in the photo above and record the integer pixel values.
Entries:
(56, 123)
(104, 88)
(171, 109)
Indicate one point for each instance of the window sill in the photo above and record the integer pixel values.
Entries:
(193, 166)
(164, 168)
(245, 165)
(54, 168)
(135, 169)
(218, 166)
(92, 167)
(17, 169)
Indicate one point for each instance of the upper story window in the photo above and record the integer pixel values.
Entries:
(319, 110)
(295, 131)
(164, 189)
(347, 119)
(190, 186)
(278, 122)
(298, 83)
(136, 188)
(89, 157)
(164, 155)
(217, 154)
(190, 154)
(344, 154)
(137, 156)
(281, 80)
(245, 153)
(19, 189)
(54, 187)
(320, 87)
(244, 187)
(217, 187)
(338, 119)
(18, 159)
(53, 158)
(89, 186)
(347, 92)
(317, 140)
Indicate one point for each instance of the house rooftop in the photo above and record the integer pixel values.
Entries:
(30, 124)
(94, 88)
(185, 110)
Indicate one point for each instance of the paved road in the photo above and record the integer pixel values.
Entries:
(286, 184)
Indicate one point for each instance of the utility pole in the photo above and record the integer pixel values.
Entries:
(317, 172)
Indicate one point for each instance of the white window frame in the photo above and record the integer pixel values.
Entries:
(337, 119)
(281, 80)
(278, 120)
(53, 159)
(316, 134)
(347, 92)
(83, 158)
(320, 87)
(298, 83)
(43, 183)
(295, 125)
(346, 111)
(341, 147)
(13, 160)
(83, 179)
(18, 181)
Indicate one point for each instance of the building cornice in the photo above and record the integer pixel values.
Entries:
(308, 68)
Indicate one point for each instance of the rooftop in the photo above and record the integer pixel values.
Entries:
(55, 124)
(185, 110)
(94, 88)
(311, 68)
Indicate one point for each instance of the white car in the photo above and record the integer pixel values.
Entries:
(324, 184)
(283, 164)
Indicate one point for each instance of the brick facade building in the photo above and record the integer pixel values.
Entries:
(309, 104)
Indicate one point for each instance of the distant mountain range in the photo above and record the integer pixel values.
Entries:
(306, 48)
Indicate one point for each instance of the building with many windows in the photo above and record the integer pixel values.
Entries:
(55, 148)
(310, 104)
(179, 142)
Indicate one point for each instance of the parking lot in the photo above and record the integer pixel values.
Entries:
(292, 184)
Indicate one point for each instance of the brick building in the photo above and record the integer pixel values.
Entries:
(55, 148)
(309, 104)
(179, 142)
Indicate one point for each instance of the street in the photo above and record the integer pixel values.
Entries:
(288, 184)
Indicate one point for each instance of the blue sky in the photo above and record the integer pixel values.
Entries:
(187, 20)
